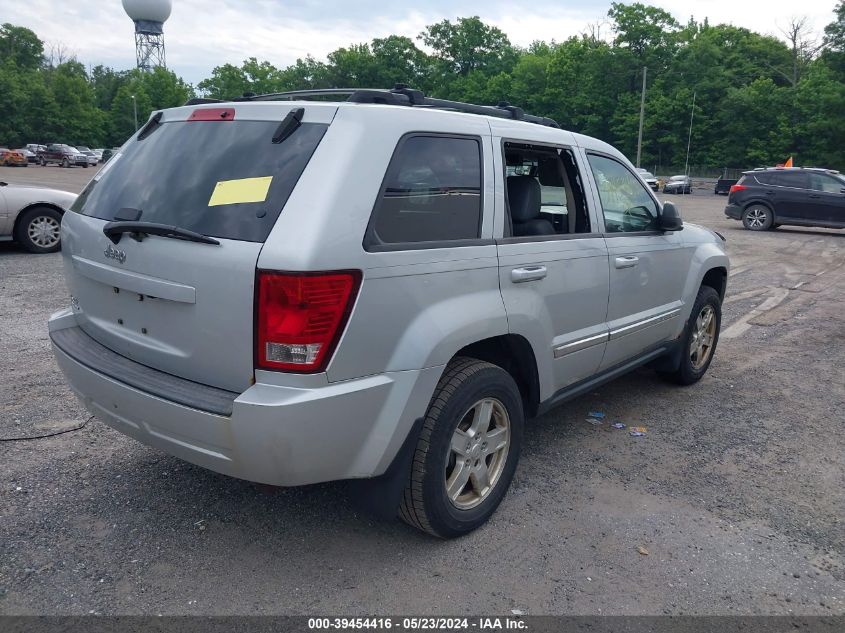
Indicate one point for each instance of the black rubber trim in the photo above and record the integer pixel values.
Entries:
(419, 246)
(557, 237)
(88, 352)
(583, 386)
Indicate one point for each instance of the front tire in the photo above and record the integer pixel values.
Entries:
(700, 337)
(757, 217)
(467, 450)
(65, 163)
(39, 230)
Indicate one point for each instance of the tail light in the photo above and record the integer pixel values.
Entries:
(735, 188)
(300, 317)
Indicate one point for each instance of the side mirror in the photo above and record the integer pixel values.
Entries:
(670, 219)
(842, 190)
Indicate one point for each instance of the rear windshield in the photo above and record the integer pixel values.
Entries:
(222, 179)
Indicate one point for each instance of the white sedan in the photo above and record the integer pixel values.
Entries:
(32, 216)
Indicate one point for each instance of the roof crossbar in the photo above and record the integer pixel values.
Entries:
(400, 95)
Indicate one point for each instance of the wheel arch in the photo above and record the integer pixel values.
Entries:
(762, 202)
(514, 354)
(34, 205)
(716, 278)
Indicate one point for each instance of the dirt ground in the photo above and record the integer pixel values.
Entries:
(736, 493)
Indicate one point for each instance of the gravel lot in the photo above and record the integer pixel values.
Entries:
(737, 492)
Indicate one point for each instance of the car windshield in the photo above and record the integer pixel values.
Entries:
(678, 178)
(646, 174)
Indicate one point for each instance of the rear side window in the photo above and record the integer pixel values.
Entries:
(432, 192)
(791, 179)
(222, 179)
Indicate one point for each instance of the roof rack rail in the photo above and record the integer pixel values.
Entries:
(402, 95)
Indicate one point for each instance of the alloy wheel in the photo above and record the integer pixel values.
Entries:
(703, 335)
(756, 218)
(478, 453)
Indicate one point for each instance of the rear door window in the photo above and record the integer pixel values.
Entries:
(432, 192)
(222, 179)
(795, 179)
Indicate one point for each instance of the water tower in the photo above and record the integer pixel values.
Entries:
(149, 17)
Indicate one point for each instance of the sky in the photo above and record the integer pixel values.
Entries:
(201, 35)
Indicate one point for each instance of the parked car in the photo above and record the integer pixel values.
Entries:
(99, 154)
(93, 159)
(62, 155)
(30, 156)
(108, 153)
(12, 158)
(766, 199)
(649, 178)
(678, 184)
(368, 297)
(723, 186)
(32, 216)
(35, 148)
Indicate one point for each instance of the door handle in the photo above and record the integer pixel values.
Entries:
(529, 273)
(627, 261)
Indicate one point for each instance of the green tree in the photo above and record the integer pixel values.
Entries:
(21, 46)
(226, 82)
(833, 54)
(353, 67)
(122, 113)
(79, 120)
(646, 34)
(164, 88)
(400, 61)
(468, 44)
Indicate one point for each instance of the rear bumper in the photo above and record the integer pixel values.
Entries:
(278, 435)
(733, 211)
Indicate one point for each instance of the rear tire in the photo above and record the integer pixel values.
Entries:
(700, 337)
(39, 230)
(467, 450)
(65, 163)
(757, 217)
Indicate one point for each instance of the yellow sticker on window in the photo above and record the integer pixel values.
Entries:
(239, 191)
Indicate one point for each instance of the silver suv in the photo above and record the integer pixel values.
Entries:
(382, 289)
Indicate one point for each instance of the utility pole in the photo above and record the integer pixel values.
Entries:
(135, 107)
(642, 116)
(689, 138)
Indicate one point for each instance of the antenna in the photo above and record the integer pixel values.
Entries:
(149, 17)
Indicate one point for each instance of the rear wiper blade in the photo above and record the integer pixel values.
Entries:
(115, 230)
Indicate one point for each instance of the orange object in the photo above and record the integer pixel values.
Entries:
(788, 163)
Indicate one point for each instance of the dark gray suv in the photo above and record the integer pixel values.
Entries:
(766, 198)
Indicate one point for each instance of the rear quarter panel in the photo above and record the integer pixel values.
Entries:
(416, 307)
